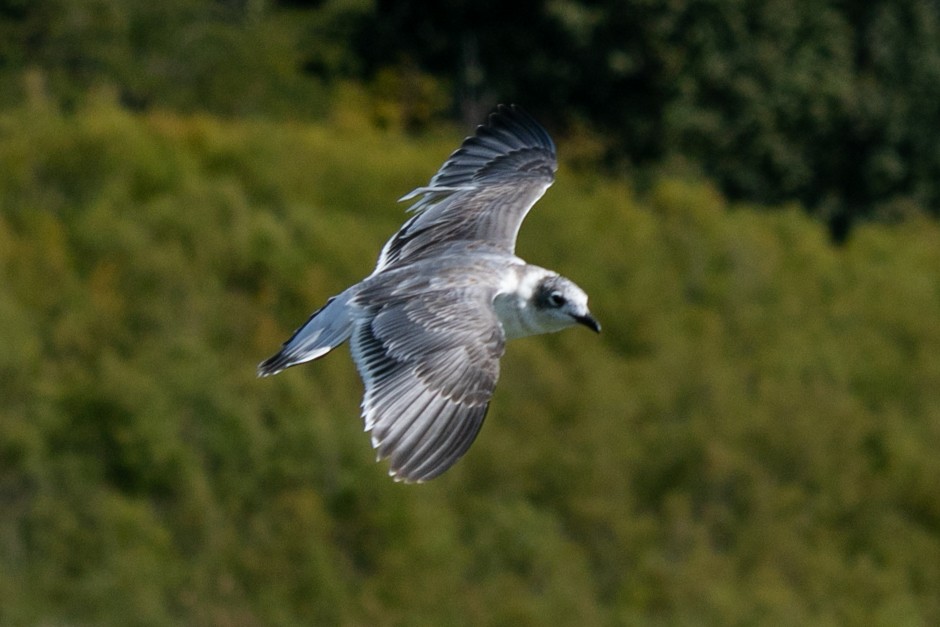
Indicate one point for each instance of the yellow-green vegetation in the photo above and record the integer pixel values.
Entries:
(752, 440)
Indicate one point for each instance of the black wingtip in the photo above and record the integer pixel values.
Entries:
(272, 365)
(511, 144)
(517, 121)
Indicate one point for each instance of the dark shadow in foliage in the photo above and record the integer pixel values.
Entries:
(831, 104)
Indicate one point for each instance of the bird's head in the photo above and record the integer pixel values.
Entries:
(560, 304)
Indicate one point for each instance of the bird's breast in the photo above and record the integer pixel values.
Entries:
(513, 314)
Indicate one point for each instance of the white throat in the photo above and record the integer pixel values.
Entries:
(513, 303)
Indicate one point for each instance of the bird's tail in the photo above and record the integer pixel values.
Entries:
(326, 329)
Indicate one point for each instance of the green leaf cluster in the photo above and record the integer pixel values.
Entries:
(751, 440)
(831, 104)
(231, 58)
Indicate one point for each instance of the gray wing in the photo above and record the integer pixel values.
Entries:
(482, 192)
(429, 360)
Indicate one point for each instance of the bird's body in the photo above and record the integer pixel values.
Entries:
(427, 328)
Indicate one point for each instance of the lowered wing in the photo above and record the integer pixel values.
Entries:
(429, 358)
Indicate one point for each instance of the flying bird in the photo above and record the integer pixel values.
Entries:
(428, 327)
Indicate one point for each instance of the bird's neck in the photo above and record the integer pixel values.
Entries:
(514, 304)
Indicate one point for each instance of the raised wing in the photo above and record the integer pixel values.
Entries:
(429, 359)
(482, 192)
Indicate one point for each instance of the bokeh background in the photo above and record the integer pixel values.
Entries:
(748, 191)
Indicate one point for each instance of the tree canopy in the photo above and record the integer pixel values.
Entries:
(752, 439)
(831, 104)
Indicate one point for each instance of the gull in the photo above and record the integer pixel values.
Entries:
(428, 327)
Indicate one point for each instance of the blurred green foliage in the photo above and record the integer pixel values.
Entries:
(833, 104)
(752, 440)
(830, 104)
(239, 57)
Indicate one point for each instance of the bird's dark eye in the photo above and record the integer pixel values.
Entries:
(556, 299)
